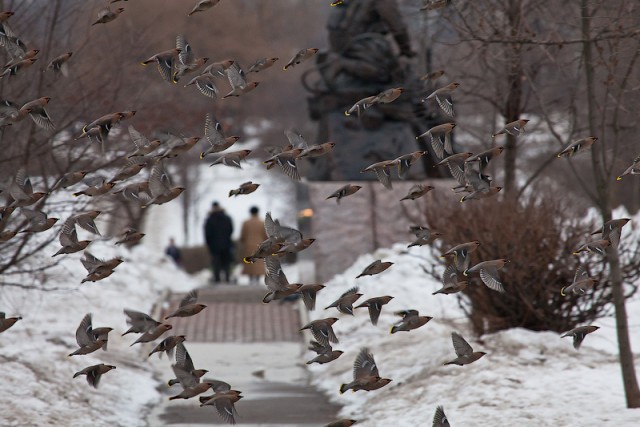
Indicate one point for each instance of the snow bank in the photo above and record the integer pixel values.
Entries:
(38, 374)
(526, 379)
(37, 384)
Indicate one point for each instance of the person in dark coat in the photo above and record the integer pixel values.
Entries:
(174, 252)
(217, 230)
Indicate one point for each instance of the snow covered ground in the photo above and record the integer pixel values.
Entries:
(526, 379)
(37, 384)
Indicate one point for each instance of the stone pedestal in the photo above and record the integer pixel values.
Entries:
(360, 143)
(372, 218)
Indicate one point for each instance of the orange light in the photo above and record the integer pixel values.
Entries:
(305, 213)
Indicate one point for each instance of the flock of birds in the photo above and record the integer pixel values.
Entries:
(175, 63)
(91, 339)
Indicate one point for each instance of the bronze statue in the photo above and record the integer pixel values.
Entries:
(369, 51)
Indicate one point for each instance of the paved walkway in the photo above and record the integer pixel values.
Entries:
(237, 314)
(257, 349)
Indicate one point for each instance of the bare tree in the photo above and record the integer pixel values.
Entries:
(486, 40)
(608, 125)
(575, 67)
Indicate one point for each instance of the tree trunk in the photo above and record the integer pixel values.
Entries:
(374, 222)
(512, 109)
(629, 379)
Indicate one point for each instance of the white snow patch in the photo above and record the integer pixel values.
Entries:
(526, 379)
(37, 384)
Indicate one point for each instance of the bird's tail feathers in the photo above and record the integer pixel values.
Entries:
(268, 298)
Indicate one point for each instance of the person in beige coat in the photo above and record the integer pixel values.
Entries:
(252, 234)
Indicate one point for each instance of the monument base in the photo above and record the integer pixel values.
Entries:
(370, 219)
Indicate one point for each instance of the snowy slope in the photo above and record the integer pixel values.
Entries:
(37, 372)
(526, 379)
(37, 384)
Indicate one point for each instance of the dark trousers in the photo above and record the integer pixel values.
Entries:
(221, 262)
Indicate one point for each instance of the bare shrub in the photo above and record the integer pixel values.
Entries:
(538, 236)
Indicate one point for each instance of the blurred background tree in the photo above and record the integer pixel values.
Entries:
(105, 76)
(571, 68)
